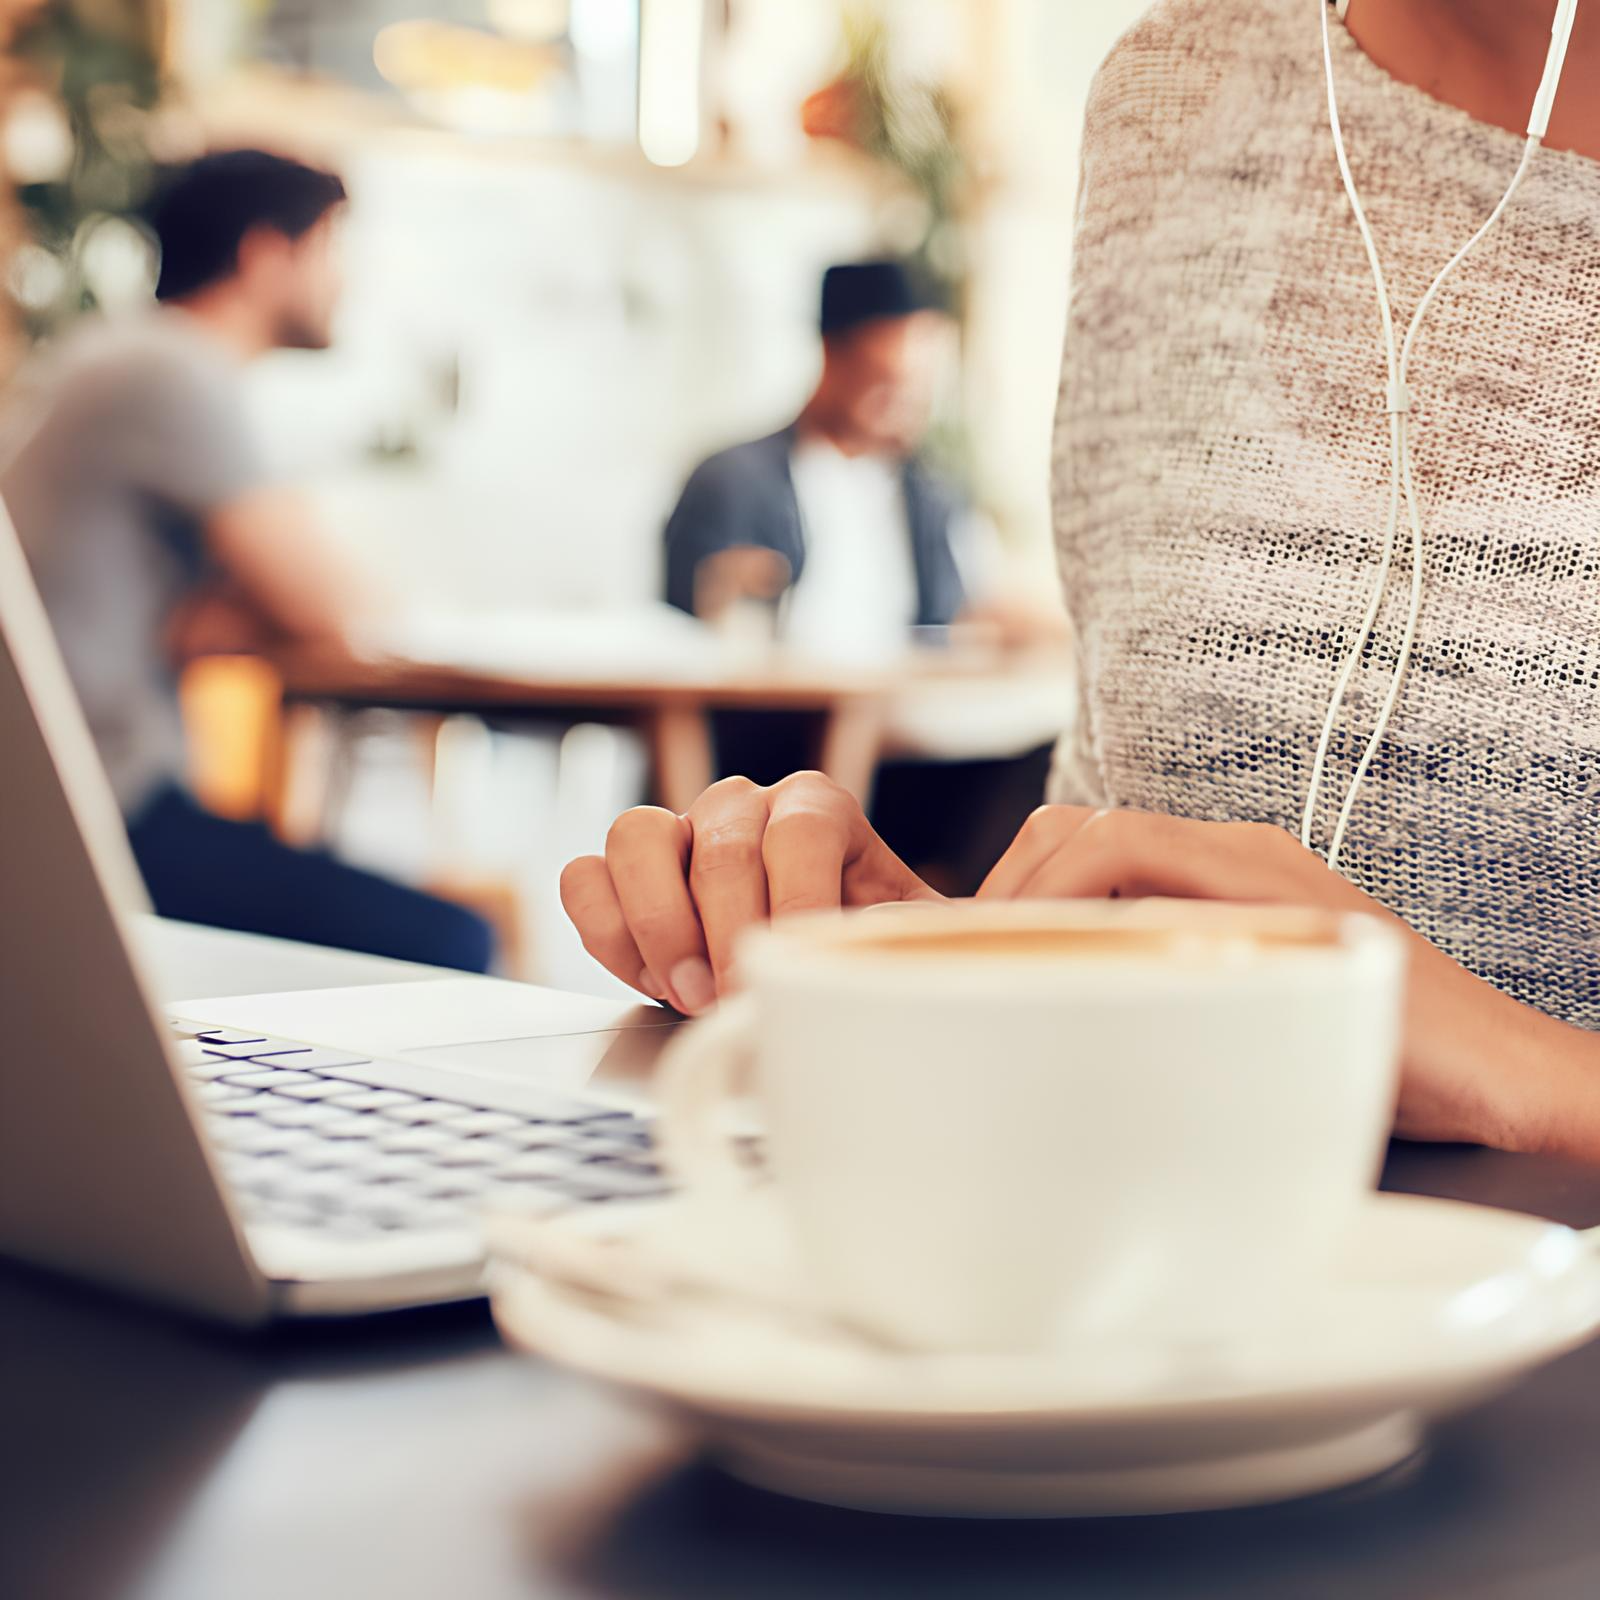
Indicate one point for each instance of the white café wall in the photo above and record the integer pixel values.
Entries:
(609, 327)
(1028, 65)
(613, 324)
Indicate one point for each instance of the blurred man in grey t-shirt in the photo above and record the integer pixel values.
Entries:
(135, 438)
(153, 528)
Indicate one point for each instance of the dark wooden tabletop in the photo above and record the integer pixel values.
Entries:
(421, 685)
(413, 1457)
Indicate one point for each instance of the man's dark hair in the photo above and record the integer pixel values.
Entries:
(200, 213)
(868, 291)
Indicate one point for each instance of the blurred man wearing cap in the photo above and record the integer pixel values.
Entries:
(853, 541)
(155, 532)
(835, 518)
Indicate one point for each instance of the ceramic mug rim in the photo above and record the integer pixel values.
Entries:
(831, 950)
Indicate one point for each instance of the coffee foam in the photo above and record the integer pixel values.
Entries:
(1187, 947)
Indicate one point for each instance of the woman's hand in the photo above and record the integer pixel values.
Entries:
(1478, 1066)
(664, 907)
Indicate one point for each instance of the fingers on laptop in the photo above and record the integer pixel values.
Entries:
(647, 856)
(821, 852)
(727, 872)
(665, 907)
(809, 833)
(590, 901)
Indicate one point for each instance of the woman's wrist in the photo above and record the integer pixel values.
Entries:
(1538, 1080)
(1559, 1103)
(1484, 1068)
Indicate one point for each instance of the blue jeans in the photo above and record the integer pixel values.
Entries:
(203, 868)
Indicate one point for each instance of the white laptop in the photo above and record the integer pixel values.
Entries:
(317, 1153)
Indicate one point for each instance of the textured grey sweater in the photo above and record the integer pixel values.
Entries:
(1222, 463)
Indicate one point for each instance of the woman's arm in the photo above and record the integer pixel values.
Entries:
(1479, 1066)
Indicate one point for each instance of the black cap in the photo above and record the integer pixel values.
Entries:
(866, 291)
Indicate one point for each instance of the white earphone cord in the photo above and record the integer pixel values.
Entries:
(1401, 486)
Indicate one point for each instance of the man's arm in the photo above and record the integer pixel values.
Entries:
(996, 596)
(284, 566)
(186, 438)
(716, 553)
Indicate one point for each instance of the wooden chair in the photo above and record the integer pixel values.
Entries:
(251, 763)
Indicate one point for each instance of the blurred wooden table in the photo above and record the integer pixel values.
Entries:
(672, 712)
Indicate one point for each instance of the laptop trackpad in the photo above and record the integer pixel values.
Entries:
(622, 1059)
(481, 1030)
(390, 1018)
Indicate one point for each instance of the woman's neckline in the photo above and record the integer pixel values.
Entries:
(1352, 57)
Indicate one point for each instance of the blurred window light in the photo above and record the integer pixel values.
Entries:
(604, 36)
(37, 143)
(117, 261)
(669, 80)
(36, 278)
(468, 79)
(442, 55)
(602, 29)
(533, 21)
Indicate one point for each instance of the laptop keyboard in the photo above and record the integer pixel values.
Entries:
(304, 1141)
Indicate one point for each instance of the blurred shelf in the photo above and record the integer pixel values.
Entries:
(329, 120)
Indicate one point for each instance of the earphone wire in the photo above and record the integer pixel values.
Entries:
(1401, 483)
(1414, 512)
(1386, 558)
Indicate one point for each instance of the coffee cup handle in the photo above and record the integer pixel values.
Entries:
(701, 1071)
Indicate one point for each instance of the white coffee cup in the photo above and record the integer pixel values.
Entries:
(1002, 1126)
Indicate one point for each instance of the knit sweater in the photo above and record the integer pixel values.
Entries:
(1222, 472)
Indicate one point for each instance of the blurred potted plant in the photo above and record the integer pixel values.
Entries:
(85, 77)
(909, 125)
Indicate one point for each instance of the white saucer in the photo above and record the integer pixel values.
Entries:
(1434, 1306)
